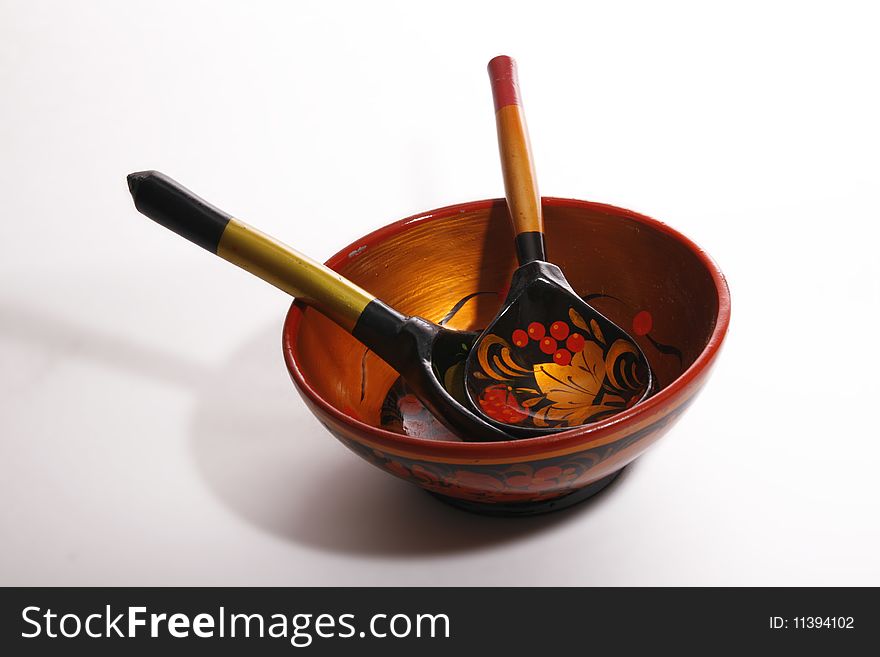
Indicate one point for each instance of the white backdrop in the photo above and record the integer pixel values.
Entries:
(148, 430)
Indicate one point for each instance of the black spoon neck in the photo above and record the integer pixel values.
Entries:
(383, 330)
(408, 344)
(530, 247)
(529, 273)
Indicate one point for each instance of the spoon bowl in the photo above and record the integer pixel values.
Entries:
(549, 361)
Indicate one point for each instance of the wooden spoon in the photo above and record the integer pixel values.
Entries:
(548, 361)
(426, 355)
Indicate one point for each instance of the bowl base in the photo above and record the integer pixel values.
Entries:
(513, 509)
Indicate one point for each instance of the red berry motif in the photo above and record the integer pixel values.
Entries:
(499, 404)
(575, 343)
(520, 338)
(548, 345)
(536, 330)
(643, 323)
(559, 330)
(562, 357)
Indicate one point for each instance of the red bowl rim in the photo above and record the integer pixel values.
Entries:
(580, 437)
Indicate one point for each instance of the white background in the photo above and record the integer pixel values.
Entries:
(148, 430)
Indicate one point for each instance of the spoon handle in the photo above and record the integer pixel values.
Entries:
(520, 184)
(168, 203)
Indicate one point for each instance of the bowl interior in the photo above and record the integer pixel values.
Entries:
(457, 263)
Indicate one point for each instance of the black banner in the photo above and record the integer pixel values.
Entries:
(515, 621)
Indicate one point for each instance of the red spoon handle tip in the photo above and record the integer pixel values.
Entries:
(505, 85)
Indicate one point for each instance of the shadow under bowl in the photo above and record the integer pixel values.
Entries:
(455, 264)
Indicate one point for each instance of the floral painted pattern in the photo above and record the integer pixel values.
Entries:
(583, 377)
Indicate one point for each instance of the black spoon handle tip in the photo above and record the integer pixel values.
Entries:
(172, 205)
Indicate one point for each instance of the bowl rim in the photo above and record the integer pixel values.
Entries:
(580, 437)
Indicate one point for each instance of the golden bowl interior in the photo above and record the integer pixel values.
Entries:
(632, 269)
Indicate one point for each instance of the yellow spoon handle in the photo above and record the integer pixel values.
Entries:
(517, 166)
(170, 204)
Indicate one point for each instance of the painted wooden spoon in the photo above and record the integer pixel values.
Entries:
(425, 354)
(548, 361)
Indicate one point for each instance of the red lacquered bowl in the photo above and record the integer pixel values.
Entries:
(456, 262)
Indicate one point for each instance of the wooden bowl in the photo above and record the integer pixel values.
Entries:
(457, 261)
